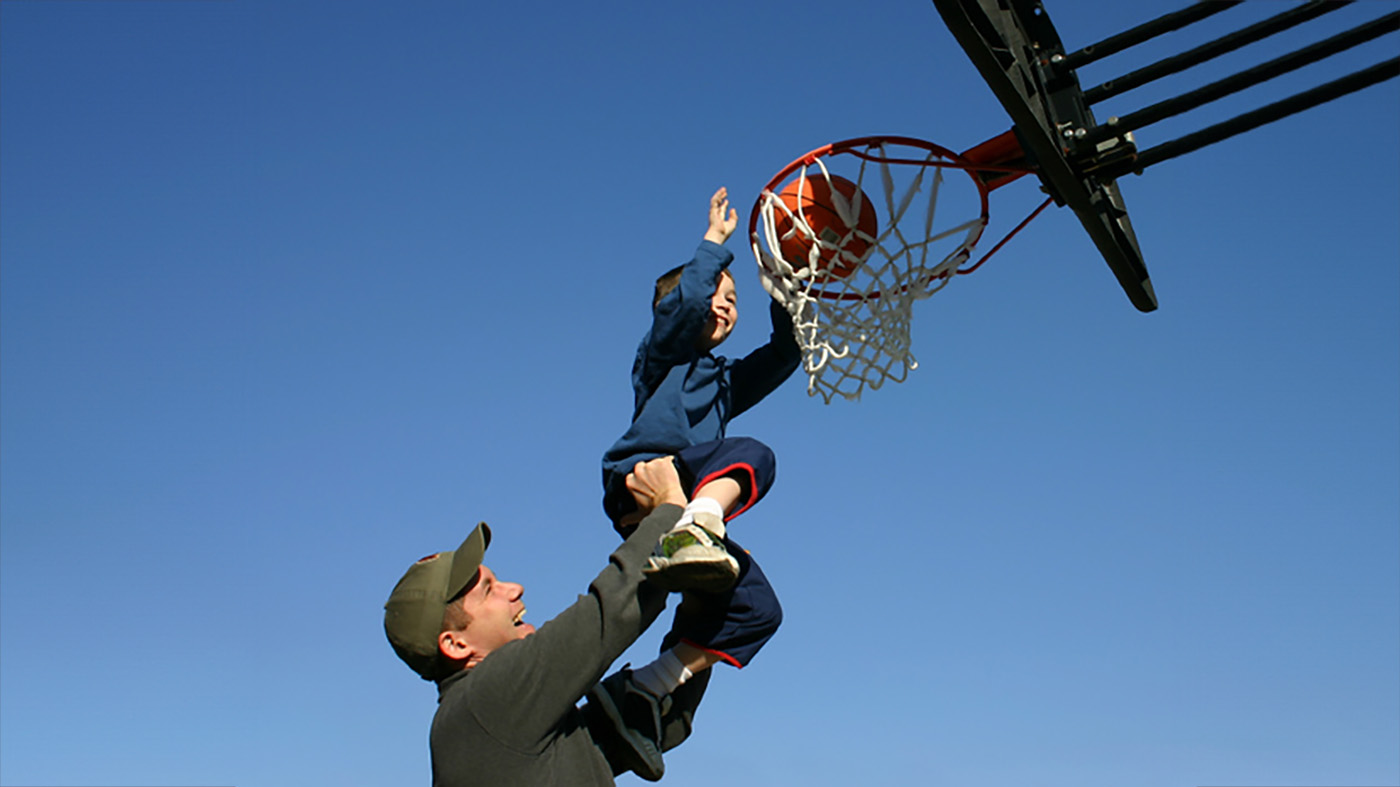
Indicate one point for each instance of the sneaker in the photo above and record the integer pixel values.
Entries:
(634, 719)
(690, 557)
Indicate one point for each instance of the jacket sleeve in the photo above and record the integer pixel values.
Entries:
(760, 372)
(520, 692)
(678, 318)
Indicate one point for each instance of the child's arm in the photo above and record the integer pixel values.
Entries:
(760, 372)
(678, 318)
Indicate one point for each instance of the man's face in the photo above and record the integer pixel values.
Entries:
(724, 313)
(496, 612)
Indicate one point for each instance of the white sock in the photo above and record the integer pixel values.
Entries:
(705, 512)
(663, 676)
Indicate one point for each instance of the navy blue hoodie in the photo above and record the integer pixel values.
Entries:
(684, 395)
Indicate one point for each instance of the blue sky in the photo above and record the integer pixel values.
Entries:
(295, 293)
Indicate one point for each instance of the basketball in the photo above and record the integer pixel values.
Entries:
(816, 206)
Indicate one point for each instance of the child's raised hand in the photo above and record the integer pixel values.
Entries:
(723, 219)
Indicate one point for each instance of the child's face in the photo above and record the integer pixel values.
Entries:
(724, 313)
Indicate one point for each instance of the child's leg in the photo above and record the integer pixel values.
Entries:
(732, 627)
(729, 477)
(725, 491)
(736, 472)
(634, 715)
(725, 478)
(709, 628)
(695, 659)
(711, 504)
(673, 668)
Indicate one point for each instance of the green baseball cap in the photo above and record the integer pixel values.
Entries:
(413, 613)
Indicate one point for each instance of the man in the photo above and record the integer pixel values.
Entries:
(508, 694)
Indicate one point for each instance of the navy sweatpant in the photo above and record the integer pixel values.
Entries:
(737, 624)
(734, 625)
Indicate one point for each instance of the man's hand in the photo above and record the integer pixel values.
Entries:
(723, 219)
(655, 482)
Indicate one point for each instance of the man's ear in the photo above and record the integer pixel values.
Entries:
(454, 645)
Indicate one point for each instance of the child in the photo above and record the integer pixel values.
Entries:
(685, 397)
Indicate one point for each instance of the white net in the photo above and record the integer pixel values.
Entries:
(854, 328)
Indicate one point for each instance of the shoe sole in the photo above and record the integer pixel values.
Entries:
(645, 761)
(703, 574)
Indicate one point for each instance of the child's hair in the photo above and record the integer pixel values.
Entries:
(669, 280)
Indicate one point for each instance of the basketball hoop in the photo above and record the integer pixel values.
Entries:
(850, 290)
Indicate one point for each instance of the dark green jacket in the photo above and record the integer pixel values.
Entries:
(513, 719)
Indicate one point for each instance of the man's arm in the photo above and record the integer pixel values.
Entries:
(521, 691)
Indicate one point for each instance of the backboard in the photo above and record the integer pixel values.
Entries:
(1018, 52)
